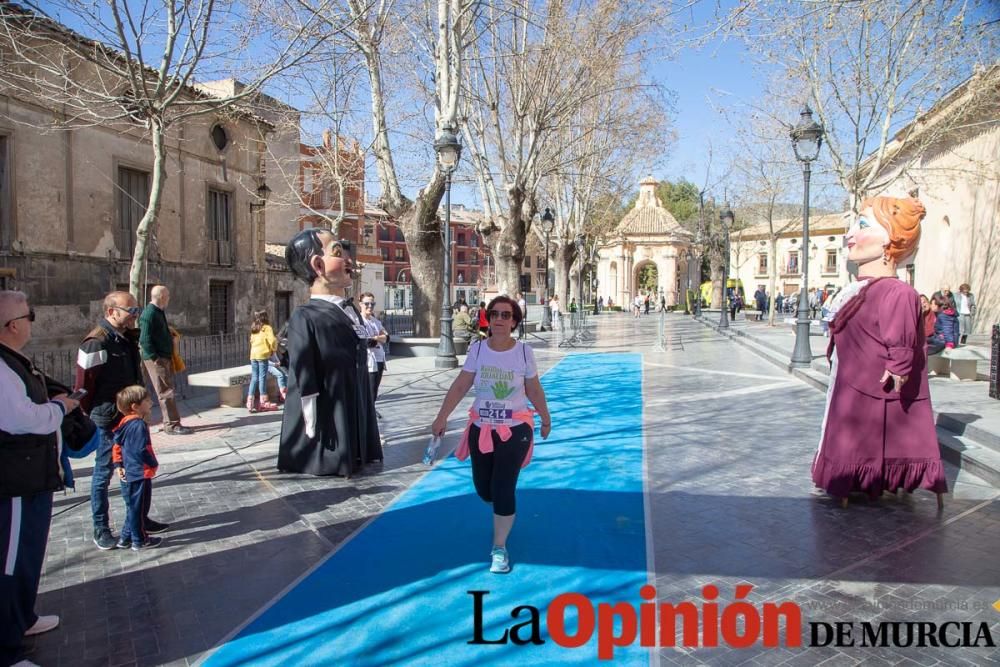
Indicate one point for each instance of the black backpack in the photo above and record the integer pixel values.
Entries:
(282, 351)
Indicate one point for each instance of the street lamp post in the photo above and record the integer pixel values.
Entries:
(807, 138)
(448, 150)
(548, 222)
(726, 218)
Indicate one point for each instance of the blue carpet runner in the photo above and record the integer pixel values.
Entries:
(398, 593)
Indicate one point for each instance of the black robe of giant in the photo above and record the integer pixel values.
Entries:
(327, 358)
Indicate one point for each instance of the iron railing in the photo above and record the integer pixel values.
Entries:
(200, 353)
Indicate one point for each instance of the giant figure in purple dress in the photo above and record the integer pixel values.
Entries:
(878, 432)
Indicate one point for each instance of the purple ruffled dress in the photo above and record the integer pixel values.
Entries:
(875, 439)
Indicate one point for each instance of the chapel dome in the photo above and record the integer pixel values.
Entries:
(648, 216)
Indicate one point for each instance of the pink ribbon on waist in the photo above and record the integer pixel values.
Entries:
(486, 435)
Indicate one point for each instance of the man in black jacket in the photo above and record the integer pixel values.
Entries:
(108, 361)
(157, 347)
(29, 473)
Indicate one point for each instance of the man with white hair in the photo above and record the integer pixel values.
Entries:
(157, 347)
(29, 458)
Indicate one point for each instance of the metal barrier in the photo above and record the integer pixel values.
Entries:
(398, 324)
(200, 353)
(995, 363)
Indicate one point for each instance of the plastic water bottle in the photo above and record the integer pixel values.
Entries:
(432, 447)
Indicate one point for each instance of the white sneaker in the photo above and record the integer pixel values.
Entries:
(500, 562)
(26, 663)
(43, 624)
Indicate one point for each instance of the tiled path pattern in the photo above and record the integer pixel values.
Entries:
(729, 440)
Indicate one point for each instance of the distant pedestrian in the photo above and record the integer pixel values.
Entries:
(636, 306)
(760, 300)
(523, 306)
(499, 435)
(645, 303)
(107, 362)
(157, 348)
(462, 328)
(572, 305)
(600, 304)
(377, 339)
(779, 303)
(263, 347)
(556, 314)
(136, 464)
(965, 304)
(484, 324)
(663, 303)
(29, 458)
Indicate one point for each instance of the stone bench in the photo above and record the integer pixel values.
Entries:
(231, 383)
(958, 363)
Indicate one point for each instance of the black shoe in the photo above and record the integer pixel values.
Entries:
(150, 543)
(104, 540)
(155, 526)
(179, 430)
(124, 544)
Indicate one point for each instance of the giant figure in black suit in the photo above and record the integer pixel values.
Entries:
(329, 425)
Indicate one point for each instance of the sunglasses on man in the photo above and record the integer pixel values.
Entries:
(30, 317)
(132, 310)
(502, 314)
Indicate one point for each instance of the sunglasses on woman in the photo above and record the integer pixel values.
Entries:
(502, 314)
(370, 304)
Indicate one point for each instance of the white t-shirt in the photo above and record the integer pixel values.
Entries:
(499, 383)
(963, 304)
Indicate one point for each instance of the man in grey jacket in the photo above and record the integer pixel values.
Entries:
(965, 303)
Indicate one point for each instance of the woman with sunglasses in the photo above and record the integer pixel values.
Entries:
(499, 434)
(377, 338)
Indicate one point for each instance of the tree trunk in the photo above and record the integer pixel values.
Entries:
(423, 232)
(508, 246)
(147, 226)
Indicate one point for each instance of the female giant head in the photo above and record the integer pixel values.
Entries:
(887, 229)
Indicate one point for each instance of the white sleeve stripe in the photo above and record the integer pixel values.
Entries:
(87, 360)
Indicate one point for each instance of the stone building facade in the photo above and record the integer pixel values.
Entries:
(950, 158)
(72, 195)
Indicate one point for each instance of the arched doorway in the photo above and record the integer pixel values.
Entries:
(647, 279)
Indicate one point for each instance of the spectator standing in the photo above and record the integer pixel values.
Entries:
(761, 301)
(779, 302)
(483, 322)
(600, 304)
(523, 306)
(263, 346)
(108, 361)
(663, 303)
(965, 303)
(377, 338)
(136, 463)
(30, 442)
(554, 307)
(157, 347)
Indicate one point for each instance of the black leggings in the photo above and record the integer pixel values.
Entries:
(495, 475)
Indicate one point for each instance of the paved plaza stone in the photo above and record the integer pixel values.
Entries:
(728, 441)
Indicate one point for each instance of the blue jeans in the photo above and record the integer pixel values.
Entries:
(103, 470)
(278, 375)
(258, 379)
(138, 496)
